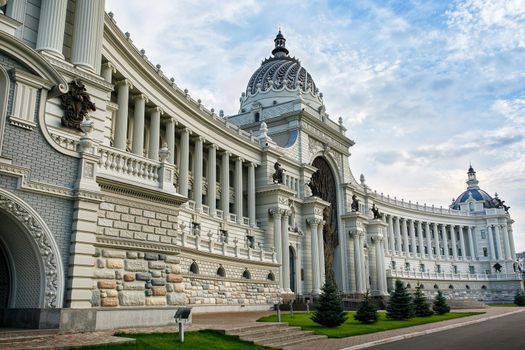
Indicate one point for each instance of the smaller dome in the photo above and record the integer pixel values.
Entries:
(473, 192)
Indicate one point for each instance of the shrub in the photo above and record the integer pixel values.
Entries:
(367, 311)
(440, 304)
(400, 305)
(421, 305)
(519, 299)
(330, 311)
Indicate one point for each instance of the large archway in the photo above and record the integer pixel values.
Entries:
(326, 189)
(33, 276)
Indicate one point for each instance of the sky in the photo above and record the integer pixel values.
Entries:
(424, 87)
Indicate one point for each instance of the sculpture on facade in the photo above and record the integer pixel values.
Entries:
(355, 203)
(76, 104)
(498, 203)
(278, 176)
(497, 267)
(376, 212)
(314, 184)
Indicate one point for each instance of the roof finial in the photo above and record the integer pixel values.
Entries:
(280, 49)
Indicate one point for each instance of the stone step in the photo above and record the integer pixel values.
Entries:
(255, 327)
(262, 336)
(29, 332)
(305, 339)
(276, 340)
(12, 337)
(268, 330)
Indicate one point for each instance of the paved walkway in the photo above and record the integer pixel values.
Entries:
(225, 321)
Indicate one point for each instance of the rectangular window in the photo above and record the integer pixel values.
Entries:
(426, 250)
(407, 266)
(455, 268)
(422, 267)
(433, 250)
(485, 252)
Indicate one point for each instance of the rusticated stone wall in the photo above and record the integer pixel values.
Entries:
(135, 278)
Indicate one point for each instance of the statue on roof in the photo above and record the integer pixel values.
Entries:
(376, 212)
(355, 203)
(498, 203)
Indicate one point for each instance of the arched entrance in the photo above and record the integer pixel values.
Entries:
(31, 275)
(325, 188)
(292, 269)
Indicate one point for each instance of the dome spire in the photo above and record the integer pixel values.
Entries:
(472, 182)
(280, 49)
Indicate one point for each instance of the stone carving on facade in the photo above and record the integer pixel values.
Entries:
(376, 212)
(355, 203)
(46, 250)
(76, 104)
(278, 176)
(497, 267)
(313, 184)
(498, 203)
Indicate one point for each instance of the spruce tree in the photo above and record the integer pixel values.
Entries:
(440, 304)
(400, 305)
(519, 299)
(330, 311)
(367, 311)
(421, 305)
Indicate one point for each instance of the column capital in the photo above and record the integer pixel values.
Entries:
(138, 97)
(275, 212)
(314, 221)
(239, 158)
(199, 138)
(226, 153)
(212, 145)
(110, 65)
(252, 165)
(124, 82)
(186, 130)
(156, 109)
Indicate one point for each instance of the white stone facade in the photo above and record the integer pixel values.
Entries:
(156, 201)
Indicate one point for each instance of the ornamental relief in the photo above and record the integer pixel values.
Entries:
(45, 248)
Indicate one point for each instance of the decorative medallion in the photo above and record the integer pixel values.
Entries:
(76, 104)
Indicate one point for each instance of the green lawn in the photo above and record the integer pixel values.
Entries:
(352, 327)
(205, 340)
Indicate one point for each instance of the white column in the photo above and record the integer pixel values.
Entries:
(276, 213)
(170, 139)
(358, 257)
(137, 146)
(212, 179)
(391, 238)
(85, 50)
(320, 236)
(197, 173)
(251, 194)
(491, 243)
(154, 127)
(429, 240)
(421, 239)
(380, 269)
(404, 228)
(398, 236)
(497, 239)
(107, 71)
(505, 235)
(286, 252)
(184, 161)
(315, 256)
(298, 267)
(511, 240)
(445, 241)
(51, 26)
(462, 243)
(473, 254)
(412, 231)
(436, 241)
(238, 189)
(17, 10)
(453, 243)
(121, 122)
(225, 186)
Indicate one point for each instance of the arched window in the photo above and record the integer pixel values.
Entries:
(471, 206)
(194, 268)
(257, 117)
(247, 275)
(221, 272)
(409, 286)
(484, 287)
(271, 276)
(422, 286)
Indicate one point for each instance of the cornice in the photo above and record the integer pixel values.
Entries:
(102, 241)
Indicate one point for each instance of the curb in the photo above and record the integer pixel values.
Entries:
(428, 331)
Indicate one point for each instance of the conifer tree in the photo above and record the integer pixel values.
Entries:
(367, 311)
(400, 305)
(330, 311)
(440, 304)
(421, 305)
(519, 299)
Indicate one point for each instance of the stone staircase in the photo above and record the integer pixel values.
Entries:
(276, 335)
(466, 304)
(24, 338)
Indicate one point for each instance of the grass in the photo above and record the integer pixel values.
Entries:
(352, 327)
(504, 305)
(201, 340)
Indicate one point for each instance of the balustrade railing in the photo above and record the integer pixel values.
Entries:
(452, 276)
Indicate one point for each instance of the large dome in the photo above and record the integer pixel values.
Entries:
(279, 79)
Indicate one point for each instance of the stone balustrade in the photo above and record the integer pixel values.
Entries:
(453, 276)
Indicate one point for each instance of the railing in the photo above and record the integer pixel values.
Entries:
(246, 221)
(453, 276)
(220, 214)
(206, 209)
(122, 164)
(233, 217)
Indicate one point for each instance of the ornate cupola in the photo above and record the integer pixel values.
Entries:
(280, 46)
(472, 182)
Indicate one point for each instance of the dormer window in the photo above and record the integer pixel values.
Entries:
(471, 206)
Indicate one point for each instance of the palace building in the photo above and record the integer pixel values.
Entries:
(123, 198)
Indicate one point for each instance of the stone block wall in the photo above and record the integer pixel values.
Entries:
(136, 278)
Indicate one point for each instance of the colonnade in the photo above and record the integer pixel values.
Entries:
(421, 239)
